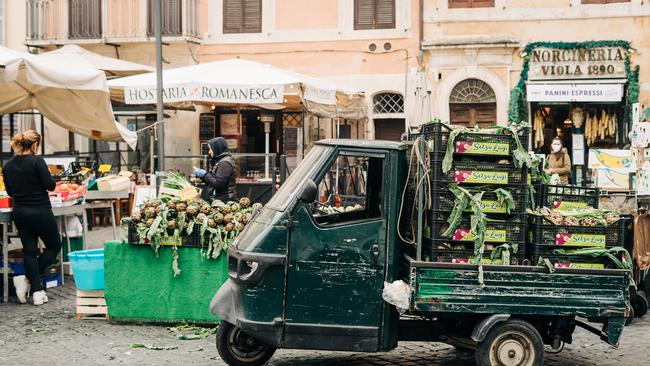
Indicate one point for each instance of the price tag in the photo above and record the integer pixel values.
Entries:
(104, 168)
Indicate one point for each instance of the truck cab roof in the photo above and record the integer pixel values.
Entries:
(365, 144)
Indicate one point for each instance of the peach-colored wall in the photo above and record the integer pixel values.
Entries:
(306, 14)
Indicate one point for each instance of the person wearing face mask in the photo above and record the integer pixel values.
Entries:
(558, 161)
(220, 177)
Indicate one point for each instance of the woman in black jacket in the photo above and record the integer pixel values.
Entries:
(220, 177)
(27, 180)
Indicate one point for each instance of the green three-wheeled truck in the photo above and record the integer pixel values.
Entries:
(310, 275)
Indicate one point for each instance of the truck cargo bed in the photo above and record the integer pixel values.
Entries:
(600, 295)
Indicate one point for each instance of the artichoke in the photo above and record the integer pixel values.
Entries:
(149, 222)
(238, 216)
(212, 223)
(225, 209)
(201, 217)
(171, 205)
(149, 212)
(239, 226)
(171, 224)
(257, 205)
(181, 206)
(227, 218)
(234, 207)
(218, 218)
(206, 209)
(193, 210)
(245, 202)
(247, 218)
(229, 227)
(135, 217)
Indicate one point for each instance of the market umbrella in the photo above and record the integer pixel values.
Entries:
(111, 66)
(68, 92)
(238, 81)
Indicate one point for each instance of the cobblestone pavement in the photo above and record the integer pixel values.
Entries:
(50, 335)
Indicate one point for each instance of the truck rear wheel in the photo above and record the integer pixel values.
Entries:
(511, 343)
(237, 348)
(641, 304)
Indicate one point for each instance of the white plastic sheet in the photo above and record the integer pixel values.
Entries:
(398, 294)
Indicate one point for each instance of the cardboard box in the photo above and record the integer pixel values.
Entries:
(113, 183)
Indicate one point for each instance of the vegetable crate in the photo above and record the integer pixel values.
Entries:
(440, 253)
(497, 232)
(443, 200)
(91, 305)
(547, 234)
(567, 260)
(570, 198)
(479, 173)
(192, 240)
(472, 143)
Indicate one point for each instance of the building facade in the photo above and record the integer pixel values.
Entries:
(569, 67)
(369, 45)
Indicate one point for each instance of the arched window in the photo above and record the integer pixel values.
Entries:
(472, 102)
(388, 103)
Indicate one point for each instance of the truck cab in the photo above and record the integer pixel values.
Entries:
(309, 270)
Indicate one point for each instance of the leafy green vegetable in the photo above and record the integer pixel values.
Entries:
(449, 154)
(520, 155)
(611, 253)
(460, 205)
(505, 198)
(503, 252)
(154, 347)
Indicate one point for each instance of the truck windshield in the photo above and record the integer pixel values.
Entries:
(304, 170)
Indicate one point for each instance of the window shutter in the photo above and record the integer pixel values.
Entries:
(232, 16)
(482, 3)
(171, 12)
(460, 4)
(364, 14)
(252, 16)
(385, 10)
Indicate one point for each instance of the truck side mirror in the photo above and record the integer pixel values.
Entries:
(309, 192)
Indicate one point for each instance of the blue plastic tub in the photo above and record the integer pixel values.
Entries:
(88, 269)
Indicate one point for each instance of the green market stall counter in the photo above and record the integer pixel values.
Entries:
(141, 287)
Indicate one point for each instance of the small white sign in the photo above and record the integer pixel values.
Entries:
(318, 95)
(574, 92)
(578, 157)
(578, 141)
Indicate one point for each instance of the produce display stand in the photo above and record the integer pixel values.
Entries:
(106, 199)
(141, 287)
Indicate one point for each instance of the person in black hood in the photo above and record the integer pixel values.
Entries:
(220, 176)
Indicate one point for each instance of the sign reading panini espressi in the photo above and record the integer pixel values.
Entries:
(258, 94)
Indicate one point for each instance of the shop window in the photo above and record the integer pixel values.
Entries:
(242, 16)
(171, 11)
(472, 103)
(374, 14)
(388, 103)
(471, 4)
(604, 1)
(351, 190)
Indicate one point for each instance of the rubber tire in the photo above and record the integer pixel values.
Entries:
(224, 332)
(630, 318)
(482, 354)
(641, 304)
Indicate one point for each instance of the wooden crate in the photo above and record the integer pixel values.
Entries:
(91, 305)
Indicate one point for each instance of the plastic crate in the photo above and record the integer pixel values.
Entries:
(88, 269)
(192, 240)
(498, 232)
(567, 197)
(572, 261)
(438, 251)
(443, 200)
(479, 173)
(545, 233)
(472, 143)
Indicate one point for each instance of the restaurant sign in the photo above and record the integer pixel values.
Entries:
(207, 93)
(577, 63)
(574, 92)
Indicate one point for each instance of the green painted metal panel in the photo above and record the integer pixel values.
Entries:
(517, 292)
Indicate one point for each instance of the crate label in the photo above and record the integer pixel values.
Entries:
(482, 148)
(430, 145)
(477, 176)
(570, 206)
(581, 240)
(579, 265)
(171, 241)
(491, 206)
(492, 236)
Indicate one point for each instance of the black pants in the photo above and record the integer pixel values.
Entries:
(34, 223)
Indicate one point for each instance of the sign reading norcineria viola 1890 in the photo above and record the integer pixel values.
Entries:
(207, 93)
(577, 63)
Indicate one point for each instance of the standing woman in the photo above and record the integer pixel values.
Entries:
(27, 180)
(220, 177)
(559, 161)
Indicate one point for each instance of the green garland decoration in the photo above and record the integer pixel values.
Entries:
(518, 108)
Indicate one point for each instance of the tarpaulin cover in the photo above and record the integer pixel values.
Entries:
(141, 287)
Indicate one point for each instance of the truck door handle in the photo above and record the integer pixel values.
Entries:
(374, 249)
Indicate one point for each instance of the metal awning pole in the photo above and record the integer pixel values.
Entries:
(159, 85)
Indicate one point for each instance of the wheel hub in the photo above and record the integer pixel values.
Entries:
(512, 349)
(511, 353)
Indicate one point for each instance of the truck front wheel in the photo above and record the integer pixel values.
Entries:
(237, 348)
(511, 343)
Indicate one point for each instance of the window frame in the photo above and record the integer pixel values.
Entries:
(375, 4)
(603, 2)
(381, 154)
(242, 29)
